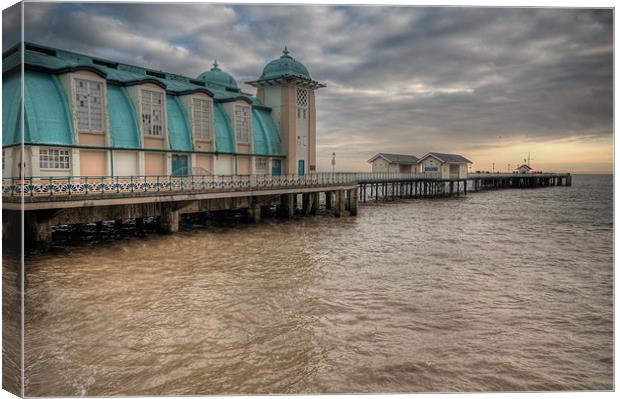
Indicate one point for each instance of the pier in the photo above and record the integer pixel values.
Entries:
(391, 186)
(487, 181)
(51, 201)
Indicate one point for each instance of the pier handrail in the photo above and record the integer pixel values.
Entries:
(97, 185)
(94, 185)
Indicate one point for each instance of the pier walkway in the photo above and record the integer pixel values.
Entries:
(50, 201)
(390, 186)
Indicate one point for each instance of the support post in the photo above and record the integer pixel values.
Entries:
(314, 203)
(305, 204)
(353, 201)
(169, 220)
(36, 232)
(328, 200)
(347, 199)
(286, 208)
(340, 203)
(254, 212)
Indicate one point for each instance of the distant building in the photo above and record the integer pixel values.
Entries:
(445, 166)
(523, 169)
(394, 163)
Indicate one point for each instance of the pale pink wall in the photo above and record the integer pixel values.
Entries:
(151, 142)
(311, 131)
(243, 148)
(205, 162)
(93, 163)
(288, 129)
(92, 139)
(244, 166)
(155, 164)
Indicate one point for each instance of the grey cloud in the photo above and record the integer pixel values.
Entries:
(399, 78)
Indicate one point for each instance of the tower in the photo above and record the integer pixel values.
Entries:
(287, 88)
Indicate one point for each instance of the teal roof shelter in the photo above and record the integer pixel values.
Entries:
(285, 68)
(46, 111)
(48, 118)
(124, 127)
(218, 77)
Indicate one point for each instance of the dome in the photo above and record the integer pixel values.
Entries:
(285, 65)
(217, 76)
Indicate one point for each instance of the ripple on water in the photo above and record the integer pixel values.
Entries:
(505, 290)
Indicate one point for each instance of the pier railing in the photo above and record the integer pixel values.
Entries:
(368, 177)
(93, 185)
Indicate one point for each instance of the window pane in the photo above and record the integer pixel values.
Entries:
(54, 159)
(201, 119)
(242, 124)
(89, 105)
(152, 113)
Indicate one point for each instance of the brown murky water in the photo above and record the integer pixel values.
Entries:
(507, 290)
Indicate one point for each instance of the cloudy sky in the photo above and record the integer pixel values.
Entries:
(490, 83)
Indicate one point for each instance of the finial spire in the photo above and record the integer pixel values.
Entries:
(285, 52)
(215, 65)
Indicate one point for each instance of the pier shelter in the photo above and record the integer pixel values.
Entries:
(523, 169)
(394, 163)
(444, 166)
(88, 116)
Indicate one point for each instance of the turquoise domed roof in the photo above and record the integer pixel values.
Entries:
(285, 66)
(217, 76)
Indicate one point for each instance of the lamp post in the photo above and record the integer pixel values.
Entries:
(333, 162)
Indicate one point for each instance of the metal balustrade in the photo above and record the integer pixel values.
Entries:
(91, 185)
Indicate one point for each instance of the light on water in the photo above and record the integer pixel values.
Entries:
(503, 290)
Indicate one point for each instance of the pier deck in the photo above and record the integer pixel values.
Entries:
(49, 201)
(386, 186)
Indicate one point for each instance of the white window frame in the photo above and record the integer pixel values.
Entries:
(202, 119)
(301, 102)
(90, 98)
(148, 108)
(243, 136)
(263, 162)
(301, 98)
(54, 159)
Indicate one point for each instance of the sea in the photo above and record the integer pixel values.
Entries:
(508, 290)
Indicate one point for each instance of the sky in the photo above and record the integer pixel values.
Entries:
(492, 84)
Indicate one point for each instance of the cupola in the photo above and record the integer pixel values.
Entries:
(219, 77)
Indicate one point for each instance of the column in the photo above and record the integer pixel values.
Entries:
(286, 208)
(353, 201)
(305, 204)
(328, 200)
(340, 200)
(169, 220)
(314, 204)
(36, 231)
(254, 213)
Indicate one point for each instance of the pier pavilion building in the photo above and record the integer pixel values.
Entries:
(394, 163)
(445, 166)
(523, 169)
(87, 116)
(434, 164)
